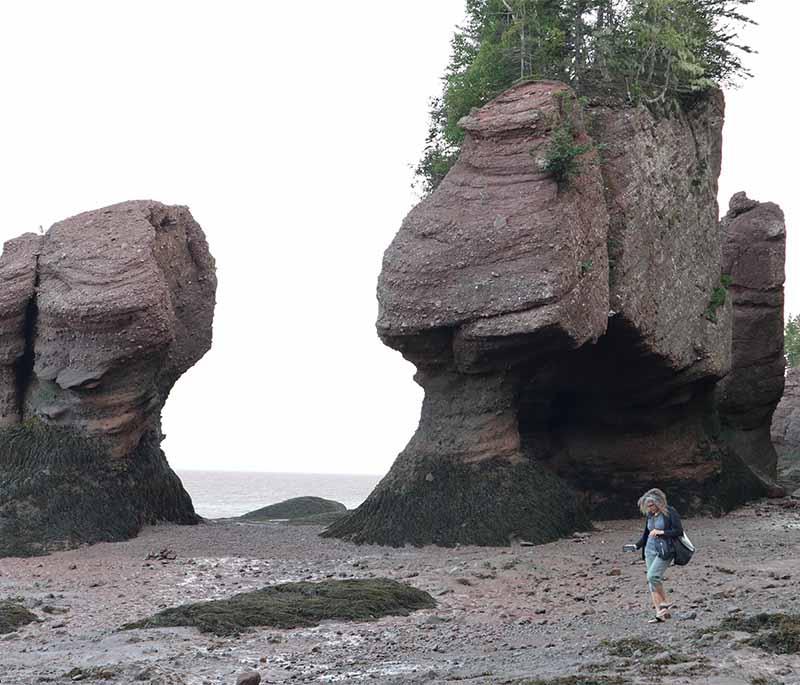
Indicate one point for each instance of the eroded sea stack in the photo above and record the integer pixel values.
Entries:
(569, 336)
(98, 319)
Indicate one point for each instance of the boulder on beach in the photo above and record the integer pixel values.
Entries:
(570, 334)
(99, 317)
(295, 508)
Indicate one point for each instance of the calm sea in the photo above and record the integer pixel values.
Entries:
(219, 494)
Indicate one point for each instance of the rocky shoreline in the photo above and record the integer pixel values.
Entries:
(503, 615)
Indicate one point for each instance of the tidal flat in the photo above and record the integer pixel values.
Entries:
(572, 611)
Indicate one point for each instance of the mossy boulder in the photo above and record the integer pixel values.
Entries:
(295, 605)
(295, 508)
(13, 616)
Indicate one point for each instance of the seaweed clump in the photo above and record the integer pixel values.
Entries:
(774, 633)
(295, 605)
(629, 646)
(578, 680)
(13, 616)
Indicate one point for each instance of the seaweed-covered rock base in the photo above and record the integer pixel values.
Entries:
(62, 489)
(446, 503)
(295, 605)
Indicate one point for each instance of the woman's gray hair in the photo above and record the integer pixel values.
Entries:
(655, 496)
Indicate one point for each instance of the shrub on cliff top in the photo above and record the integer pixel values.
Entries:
(657, 52)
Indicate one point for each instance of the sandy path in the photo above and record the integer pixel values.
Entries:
(502, 613)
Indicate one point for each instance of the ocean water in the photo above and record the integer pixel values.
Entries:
(220, 494)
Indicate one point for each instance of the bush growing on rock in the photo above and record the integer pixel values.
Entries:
(657, 52)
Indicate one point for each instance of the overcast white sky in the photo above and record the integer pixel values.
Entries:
(289, 130)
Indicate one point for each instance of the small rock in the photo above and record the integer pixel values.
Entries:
(248, 678)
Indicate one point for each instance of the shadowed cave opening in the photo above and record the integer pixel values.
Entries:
(613, 420)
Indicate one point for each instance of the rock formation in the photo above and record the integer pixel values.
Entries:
(98, 319)
(754, 247)
(569, 334)
(786, 433)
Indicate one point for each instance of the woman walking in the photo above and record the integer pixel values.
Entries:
(662, 529)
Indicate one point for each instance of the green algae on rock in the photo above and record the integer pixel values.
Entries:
(448, 502)
(294, 508)
(61, 489)
(295, 605)
(13, 616)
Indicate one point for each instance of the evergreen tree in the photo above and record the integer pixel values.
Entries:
(657, 52)
(791, 340)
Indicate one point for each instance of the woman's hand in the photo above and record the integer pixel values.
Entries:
(655, 532)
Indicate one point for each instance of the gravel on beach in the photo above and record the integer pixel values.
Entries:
(503, 615)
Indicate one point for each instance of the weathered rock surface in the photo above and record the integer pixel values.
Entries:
(635, 409)
(102, 315)
(568, 336)
(786, 432)
(754, 249)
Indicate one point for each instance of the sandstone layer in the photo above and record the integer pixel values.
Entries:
(568, 333)
(786, 432)
(101, 316)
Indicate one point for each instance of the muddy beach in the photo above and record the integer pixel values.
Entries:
(503, 615)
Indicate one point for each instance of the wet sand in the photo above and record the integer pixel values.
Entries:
(503, 614)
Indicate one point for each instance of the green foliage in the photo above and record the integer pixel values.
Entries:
(791, 340)
(295, 605)
(658, 52)
(718, 297)
(561, 159)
